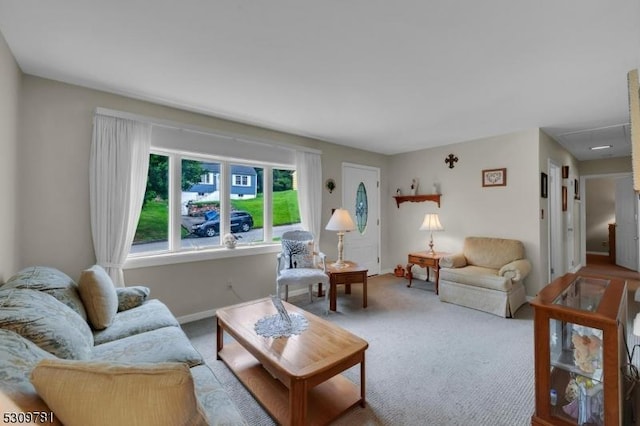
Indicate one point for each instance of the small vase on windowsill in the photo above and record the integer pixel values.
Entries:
(230, 241)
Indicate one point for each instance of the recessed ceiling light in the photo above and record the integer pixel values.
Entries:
(595, 148)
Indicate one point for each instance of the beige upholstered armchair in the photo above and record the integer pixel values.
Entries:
(487, 275)
(299, 265)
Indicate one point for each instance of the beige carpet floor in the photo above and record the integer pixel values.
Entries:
(428, 363)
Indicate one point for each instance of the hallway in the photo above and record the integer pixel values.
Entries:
(600, 265)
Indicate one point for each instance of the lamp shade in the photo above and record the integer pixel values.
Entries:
(340, 221)
(431, 222)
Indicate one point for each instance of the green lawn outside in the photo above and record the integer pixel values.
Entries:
(154, 222)
(154, 218)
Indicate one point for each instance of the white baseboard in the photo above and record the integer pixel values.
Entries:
(212, 312)
(294, 292)
(197, 316)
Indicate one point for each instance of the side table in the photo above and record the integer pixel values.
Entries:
(351, 273)
(426, 260)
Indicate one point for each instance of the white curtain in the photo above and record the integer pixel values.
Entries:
(117, 183)
(309, 176)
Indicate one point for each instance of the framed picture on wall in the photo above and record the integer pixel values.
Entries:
(494, 177)
(565, 172)
(564, 198)
(576, 189)
(544, 185)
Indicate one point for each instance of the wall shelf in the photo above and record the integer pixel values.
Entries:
(417, 198)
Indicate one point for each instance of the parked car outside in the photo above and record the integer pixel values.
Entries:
(241, 221)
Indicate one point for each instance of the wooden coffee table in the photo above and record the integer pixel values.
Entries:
(296, 379)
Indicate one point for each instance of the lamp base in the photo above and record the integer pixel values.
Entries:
(431, 251)
(339, 264)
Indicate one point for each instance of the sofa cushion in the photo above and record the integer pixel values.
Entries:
(45, 321)
(168, 344)
(491, 252)
(476, 276)
(131, 297)
(151, 315)
(99, 296)
(214, 399)
(90, 393)
(18, 356)
(51, 281)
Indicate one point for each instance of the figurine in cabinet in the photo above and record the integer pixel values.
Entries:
(587, 352)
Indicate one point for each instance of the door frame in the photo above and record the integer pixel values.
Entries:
(557, 258)
(379, 233)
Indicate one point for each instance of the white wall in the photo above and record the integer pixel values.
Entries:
(467, 208)
(10, 85)
(54, 222)
(52, 173)
(551, 150)
(606, 166)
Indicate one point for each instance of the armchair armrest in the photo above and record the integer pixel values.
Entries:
(516, 270)
(453, 261)
(323, 259)
(279, 259)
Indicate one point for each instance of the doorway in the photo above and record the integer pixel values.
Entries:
(610, 221)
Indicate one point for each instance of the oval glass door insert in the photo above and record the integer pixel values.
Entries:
(362, 208)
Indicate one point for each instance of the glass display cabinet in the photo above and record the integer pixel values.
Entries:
(579, 350)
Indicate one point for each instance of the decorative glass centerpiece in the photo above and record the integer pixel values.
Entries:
(282, 324)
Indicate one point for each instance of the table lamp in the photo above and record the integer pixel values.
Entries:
(340, 221)
(431, 223)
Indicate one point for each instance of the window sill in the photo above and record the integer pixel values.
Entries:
(158, 259)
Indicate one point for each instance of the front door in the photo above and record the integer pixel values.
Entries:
(361, 197)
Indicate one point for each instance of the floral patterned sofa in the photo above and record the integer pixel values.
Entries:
(47, 326)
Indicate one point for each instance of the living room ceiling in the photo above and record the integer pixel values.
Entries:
(388, 77)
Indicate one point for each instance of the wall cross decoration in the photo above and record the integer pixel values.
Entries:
(451, 159)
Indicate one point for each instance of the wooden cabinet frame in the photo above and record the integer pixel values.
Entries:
(610, 317)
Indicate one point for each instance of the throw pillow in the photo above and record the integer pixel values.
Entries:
(99, 296)
(45, 321)
(97, 393)
(131, 297)
(298, 254)
(51, 281)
